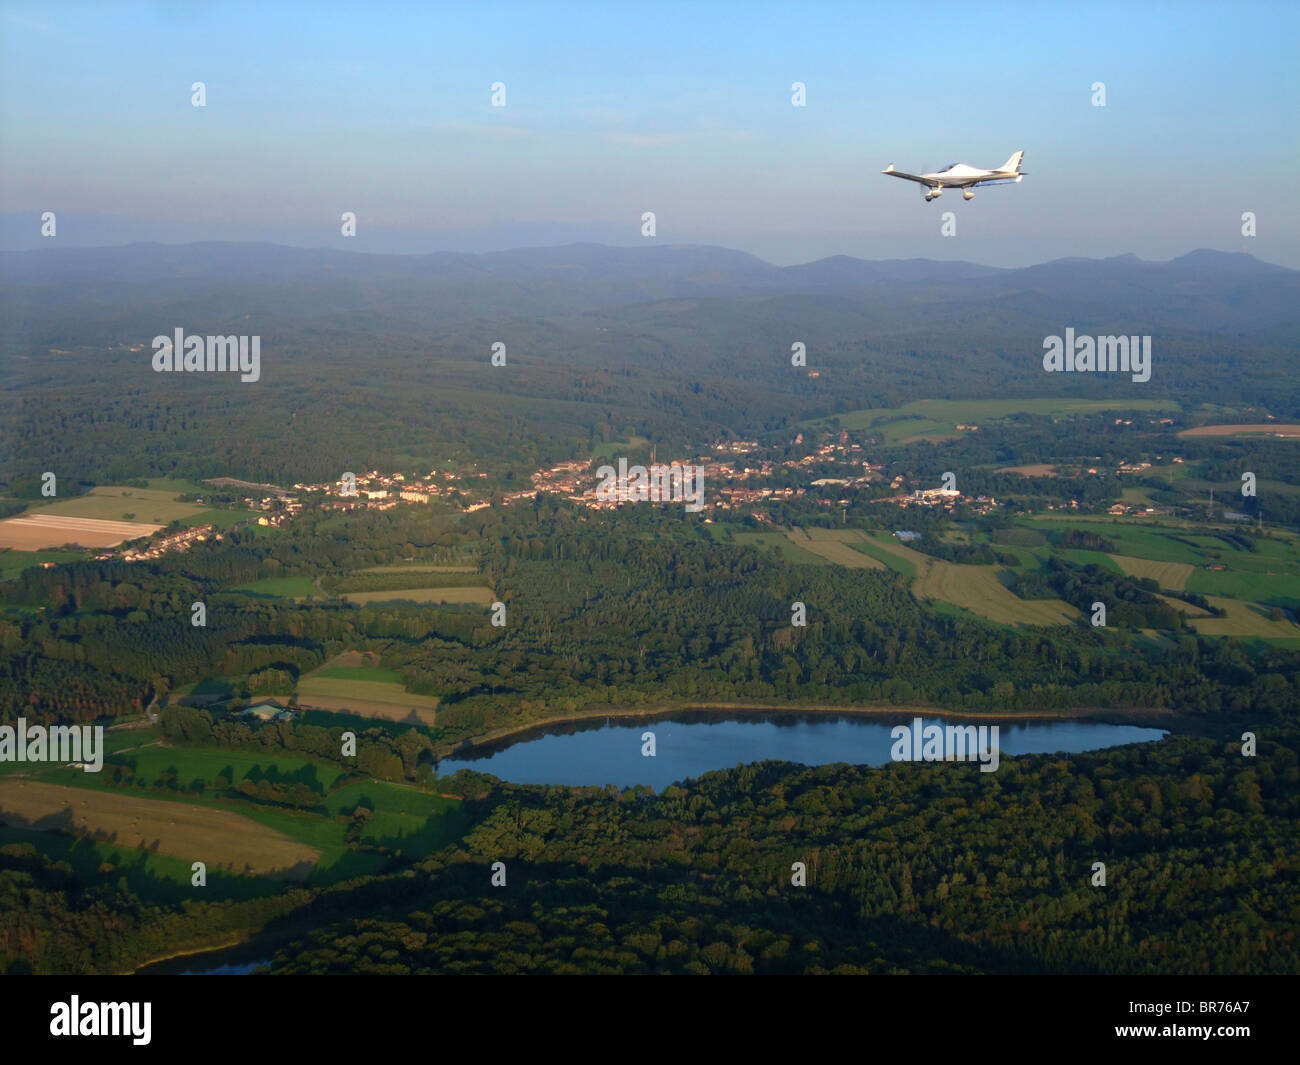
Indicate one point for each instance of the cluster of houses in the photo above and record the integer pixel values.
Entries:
(945, 498)
(374, 490)
(176, 541)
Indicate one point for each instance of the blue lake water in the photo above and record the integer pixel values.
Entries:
(609, 752)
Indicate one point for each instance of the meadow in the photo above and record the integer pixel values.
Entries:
(476, 595)
(192, 764)
(940, 417)
(282, 588)
(1244, 620)
(834, 545)
(114, 503)
(219, 838)
(417, 567)
(767, 541)
(366, 698)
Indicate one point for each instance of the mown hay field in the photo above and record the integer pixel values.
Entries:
(1171, 575)
(480, 596)
(833, 545)
(218, 838)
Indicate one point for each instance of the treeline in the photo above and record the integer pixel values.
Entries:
(1130, 602)
(379, 753)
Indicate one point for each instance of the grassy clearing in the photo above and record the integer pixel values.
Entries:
(281, 588)
(1286, 431)
(766, 541)
(834, 546)
(418, 567)
(942, 416)
(1244, 619)
(14, 561)
(151, 876)
(112, 503)
(615, 448)
(196, 763)
(221, 839)
(1272, 589)
(366, 698)
(220, 518)
(371, 673)
(479, 596)
(880, 546)
(975, 588)
(1166, 574)
(404, 819)
(1187, 608)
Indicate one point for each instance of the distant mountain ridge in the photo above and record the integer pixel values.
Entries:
(1203, 289)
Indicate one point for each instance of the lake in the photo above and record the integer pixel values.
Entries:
(606, 751)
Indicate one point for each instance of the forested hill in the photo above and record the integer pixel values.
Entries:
(1201, 290)
(374, 361)
(907, 871)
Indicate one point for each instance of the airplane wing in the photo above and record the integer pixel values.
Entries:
(910, 177)
(996, 181)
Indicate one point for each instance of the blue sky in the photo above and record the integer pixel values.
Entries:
(616, 108)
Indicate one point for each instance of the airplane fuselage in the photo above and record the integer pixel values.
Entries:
(963, 176)
(960, 175)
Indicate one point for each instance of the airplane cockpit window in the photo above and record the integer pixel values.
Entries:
(947, 168)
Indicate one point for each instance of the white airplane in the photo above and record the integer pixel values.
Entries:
(961, 176)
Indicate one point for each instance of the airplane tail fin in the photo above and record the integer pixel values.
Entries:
(1012, 165)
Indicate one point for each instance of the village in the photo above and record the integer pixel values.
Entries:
(736, 483)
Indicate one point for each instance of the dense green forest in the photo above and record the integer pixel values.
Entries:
(602, 610)
(910, 868)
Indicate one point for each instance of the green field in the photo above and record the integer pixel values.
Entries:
(835, 546)
(365, 698)
(176, 486)
(153, 877)
(877, 549)
(282, 588)
(219, 518)
(114, 503)
(370, 673)
(1271, 589)
(405, 819)
(418, 567)
(196, 763)
(1178, 557)
(467, 594)
(766, 541)
(13, 563)
(1244, 620)
(1172, 575)
(926, 417)
(615, 448)
(336, 862)
(973, 588)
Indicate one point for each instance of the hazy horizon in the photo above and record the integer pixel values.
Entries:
(354, 247)
(685, 111)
